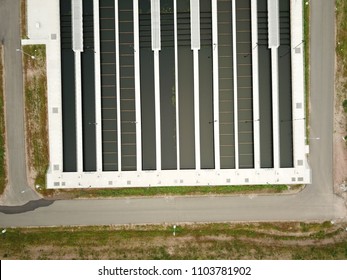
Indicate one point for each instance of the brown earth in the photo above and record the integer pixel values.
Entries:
(340, 130)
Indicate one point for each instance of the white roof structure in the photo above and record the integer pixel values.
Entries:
(77, 25)
(155, 24)
(274, 22)
(195, 23)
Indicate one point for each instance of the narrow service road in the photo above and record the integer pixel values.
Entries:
(17, 192)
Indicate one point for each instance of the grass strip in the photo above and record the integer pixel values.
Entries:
(23, 22)
(36, 111)
(341, 35)
(307, 68)
(3, 165)
(341, 52)
(290, 240)
(167, 191)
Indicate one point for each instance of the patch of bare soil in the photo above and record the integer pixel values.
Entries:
(340, 131)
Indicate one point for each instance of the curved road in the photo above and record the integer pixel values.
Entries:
(316, 202)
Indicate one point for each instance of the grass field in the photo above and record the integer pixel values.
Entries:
(3, 166)
(195, 241)
(36, 111)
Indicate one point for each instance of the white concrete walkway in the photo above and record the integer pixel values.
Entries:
(195, 46)
(78, 104)
(236, 118)
(215, 85)
(156, 46)
(119, 120)
(176, 89)
(137, 87)
(97, 78)
(255, 84)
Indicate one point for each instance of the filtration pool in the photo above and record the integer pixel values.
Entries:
(169, 92)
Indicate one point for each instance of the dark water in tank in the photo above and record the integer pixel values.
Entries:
(167, 87)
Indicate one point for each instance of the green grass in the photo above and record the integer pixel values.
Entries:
(341, 34)
(36, 111)
(3, 166)
(290, 240)
(341, 52)
(184, 190)
(307, 68)
(23, 10)
(344, 104)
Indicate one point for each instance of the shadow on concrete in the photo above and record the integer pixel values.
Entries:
(29, 206)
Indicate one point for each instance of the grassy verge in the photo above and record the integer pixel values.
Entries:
(341, 52)
(3, 166)
(167, 191)
(341, 34)
(307, 68)
(197, 241)
(36, 111)
(23, 22)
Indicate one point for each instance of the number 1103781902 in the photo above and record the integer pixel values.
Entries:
(221, 270)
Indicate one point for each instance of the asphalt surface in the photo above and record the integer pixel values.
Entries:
(17, 191)
(315, 202)
(322, 93)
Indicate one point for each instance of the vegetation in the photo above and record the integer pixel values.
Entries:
(341, 34)
(307, 67)
(341, 52)
(23, 9)
(164, 191)
(196, 241)
(3, 165)
(36, 111)
(344, 104)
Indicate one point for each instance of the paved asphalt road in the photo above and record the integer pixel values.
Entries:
(322, 93)
(316, 202)
(17, 191)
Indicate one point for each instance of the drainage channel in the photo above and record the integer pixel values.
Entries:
(285, 87)
(206, 87)
(167, 86)
(108, 86)
(88, 89)
(185, 87)
(68, 89)
(265, 88)
(147, 88)
(244, 83)
(127, 85)
(226, 84)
